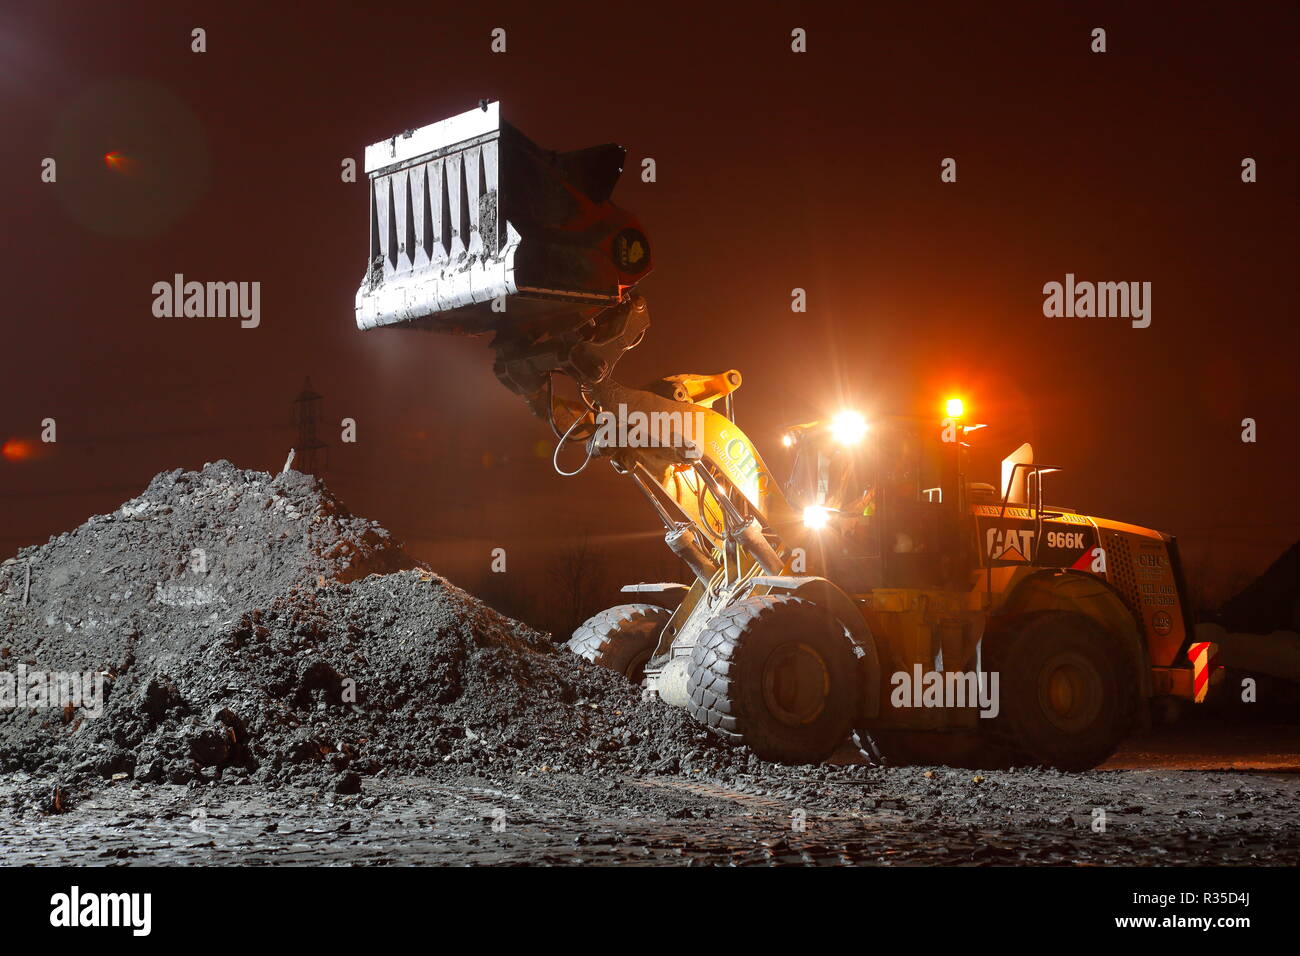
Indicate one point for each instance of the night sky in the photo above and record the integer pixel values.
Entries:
(776, 170)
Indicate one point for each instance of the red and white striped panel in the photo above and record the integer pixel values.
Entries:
(1203, 656)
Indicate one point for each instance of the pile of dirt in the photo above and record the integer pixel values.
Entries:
(1269, 603)
(193, 549)
(251, 628)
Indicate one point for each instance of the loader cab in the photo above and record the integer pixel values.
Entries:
(881, 504)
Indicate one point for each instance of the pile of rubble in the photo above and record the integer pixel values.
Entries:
(244, 627)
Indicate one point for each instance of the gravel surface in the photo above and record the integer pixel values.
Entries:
(885, 817)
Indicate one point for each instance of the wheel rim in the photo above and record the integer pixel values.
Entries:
(1070, 692)
(796, 684)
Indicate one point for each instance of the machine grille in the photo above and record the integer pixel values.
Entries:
(1119, 571)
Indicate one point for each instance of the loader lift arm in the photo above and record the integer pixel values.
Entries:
(716, 494)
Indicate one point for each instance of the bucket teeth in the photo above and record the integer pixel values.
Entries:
(468, 211)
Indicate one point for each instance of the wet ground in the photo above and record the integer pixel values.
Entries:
(1158, 815)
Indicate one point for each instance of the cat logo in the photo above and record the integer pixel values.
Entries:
(631, 250)
(1009, 544)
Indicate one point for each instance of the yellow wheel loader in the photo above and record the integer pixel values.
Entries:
(881, 594)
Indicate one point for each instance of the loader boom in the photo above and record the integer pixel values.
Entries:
(475, 229)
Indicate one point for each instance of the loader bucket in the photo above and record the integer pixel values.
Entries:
(474, 228)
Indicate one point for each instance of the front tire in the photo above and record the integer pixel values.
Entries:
(777, 674)
(622, 638)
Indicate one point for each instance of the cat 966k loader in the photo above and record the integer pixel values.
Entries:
(881, 594)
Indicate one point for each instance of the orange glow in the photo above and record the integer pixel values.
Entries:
(17, 449)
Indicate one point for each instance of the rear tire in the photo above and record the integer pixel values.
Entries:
(622, 638)
(777, 674)
(1068, 689)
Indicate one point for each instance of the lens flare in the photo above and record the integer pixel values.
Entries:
(815, 517)
(17, 449)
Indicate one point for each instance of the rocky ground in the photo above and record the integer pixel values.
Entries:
(851, 815)
(282, 683)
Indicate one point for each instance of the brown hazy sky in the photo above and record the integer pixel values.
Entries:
(775, 170)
